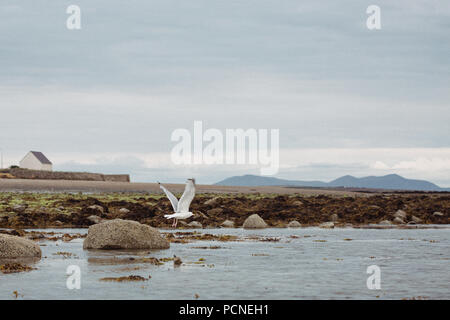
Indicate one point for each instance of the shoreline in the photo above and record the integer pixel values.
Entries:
(62, 210)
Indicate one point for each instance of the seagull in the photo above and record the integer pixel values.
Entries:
(181, 208)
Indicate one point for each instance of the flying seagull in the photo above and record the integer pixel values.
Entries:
(181, 208)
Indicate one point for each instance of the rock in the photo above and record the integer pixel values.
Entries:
(215, 211)
(297, 203)
(195, 224)
(19, 208)
(398, 220)
(254, 222)
(411, 223)
(294, 224)
(201, 214)
(58, 223)
(124, 234)
(385, 223)
(334, 217)
(227, 224)
(400, 214)
(16, 247)
(327, 225)
(124, 211)
(211, 202)
(416, 219)
(438, 214)
(97, 208)
(94, 219)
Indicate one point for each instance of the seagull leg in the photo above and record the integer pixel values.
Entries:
(176, 221)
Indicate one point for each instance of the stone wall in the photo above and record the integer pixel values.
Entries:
(20, 173)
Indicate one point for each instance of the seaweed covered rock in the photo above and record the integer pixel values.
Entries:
(16, 247)
(254, 222)
(124, 234)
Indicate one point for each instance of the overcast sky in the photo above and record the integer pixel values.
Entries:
(347, 100)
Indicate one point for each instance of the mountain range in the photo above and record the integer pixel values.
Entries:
(390, 181)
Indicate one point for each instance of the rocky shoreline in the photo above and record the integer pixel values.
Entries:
(37, 210)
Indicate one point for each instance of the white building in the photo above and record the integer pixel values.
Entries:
(35, 160)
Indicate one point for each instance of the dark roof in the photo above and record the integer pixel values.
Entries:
(40, 156)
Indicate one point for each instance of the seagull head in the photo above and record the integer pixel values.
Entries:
(192, 179)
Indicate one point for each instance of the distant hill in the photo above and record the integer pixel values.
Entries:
(390, 181)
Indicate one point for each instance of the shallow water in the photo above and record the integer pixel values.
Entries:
(414, 263)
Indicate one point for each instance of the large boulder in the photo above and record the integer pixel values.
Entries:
(294, 224)
(124, 234)
(16, 247)
(254, 222)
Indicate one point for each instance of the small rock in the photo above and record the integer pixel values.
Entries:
(195, 224)
(94, 219)
(348, 225)
(96, 207)
(385, 223)
(438, 214)
(20, 208)
(215, 211)
(124, 211)
(254, 222)
(327, 225)
(227, 224)
(58, 223)
(398, 220)
(294, 224)
(416, 219)
(400, 214)
(211, 202)
(201, 214)
(297, 203)
(334, 217)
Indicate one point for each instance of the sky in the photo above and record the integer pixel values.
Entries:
(346, 99)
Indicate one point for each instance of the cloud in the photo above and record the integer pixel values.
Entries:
(346, 99)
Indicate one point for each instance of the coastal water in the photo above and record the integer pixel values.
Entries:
(306, 263)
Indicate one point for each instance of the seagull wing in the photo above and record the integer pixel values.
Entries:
(187, 197)
(172, 198)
